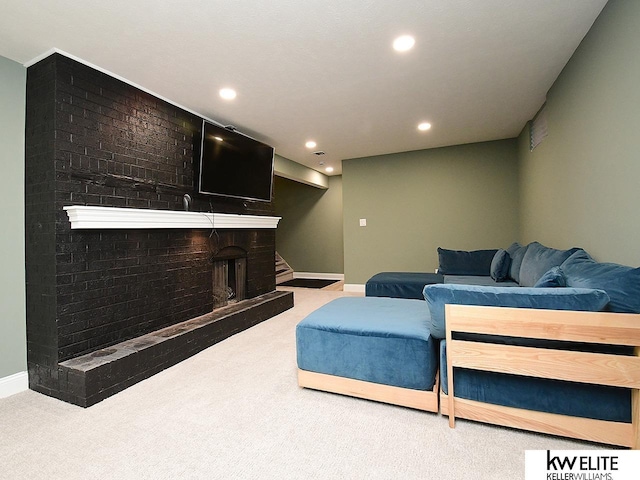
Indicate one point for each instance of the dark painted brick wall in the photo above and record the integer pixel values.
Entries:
(94, 140)
(42, 339)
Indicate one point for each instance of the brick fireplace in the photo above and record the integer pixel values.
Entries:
(108, 307)
(229, 276)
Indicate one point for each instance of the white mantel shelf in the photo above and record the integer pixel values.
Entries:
(83, 217)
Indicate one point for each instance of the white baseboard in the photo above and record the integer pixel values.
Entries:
(353, 287)
(16, 383)
(319, 276)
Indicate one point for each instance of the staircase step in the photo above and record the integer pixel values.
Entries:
(284, 272)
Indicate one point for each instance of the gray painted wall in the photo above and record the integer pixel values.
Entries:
(309, 236)
(581, 185)
(463, 197)
(13, 343)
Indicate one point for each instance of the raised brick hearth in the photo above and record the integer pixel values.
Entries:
(112, 294)
(90, 378)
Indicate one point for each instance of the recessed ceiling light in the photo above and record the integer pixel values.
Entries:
(228, 93)
(310, 144)
(424, 126)
(404, 43)
(328, 169)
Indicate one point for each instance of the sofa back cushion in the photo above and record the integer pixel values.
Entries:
(437, 296)
(516, 252)
(621, 283)
(461, 262)
(538, 259)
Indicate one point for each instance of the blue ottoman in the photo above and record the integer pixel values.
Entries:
(400, 284)
(374, 348)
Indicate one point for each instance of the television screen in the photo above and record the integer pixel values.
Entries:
(234, 165)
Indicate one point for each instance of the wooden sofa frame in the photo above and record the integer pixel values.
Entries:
(426, 400)
(591, 368)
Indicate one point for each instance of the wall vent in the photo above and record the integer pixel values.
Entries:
(538, 128)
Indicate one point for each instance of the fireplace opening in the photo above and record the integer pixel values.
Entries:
(229, 276)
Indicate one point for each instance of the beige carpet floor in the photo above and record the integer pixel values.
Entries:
(235, 411)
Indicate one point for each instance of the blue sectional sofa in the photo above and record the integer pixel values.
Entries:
(532, 337)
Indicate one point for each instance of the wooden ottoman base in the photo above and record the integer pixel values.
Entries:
(405, 397)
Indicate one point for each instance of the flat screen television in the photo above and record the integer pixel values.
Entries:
(234, 165)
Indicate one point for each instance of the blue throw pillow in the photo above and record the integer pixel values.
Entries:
(500, 266)
(554, 278)
(539, 259)
(621, 283)
(516, 252)
(461, 262)
(437, 296)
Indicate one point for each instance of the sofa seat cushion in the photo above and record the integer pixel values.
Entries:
(543, 395)
(400, 284)
(477, 280)
(379, 340)
(621, 283)
(437, 296)
(538, 259)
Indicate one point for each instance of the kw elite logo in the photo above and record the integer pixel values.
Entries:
(582, 464)
(581, 467)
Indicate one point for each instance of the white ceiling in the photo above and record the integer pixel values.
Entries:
(323, 69)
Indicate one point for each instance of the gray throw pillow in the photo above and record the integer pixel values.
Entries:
(500, 266)
(516, 252)
(554, 278)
